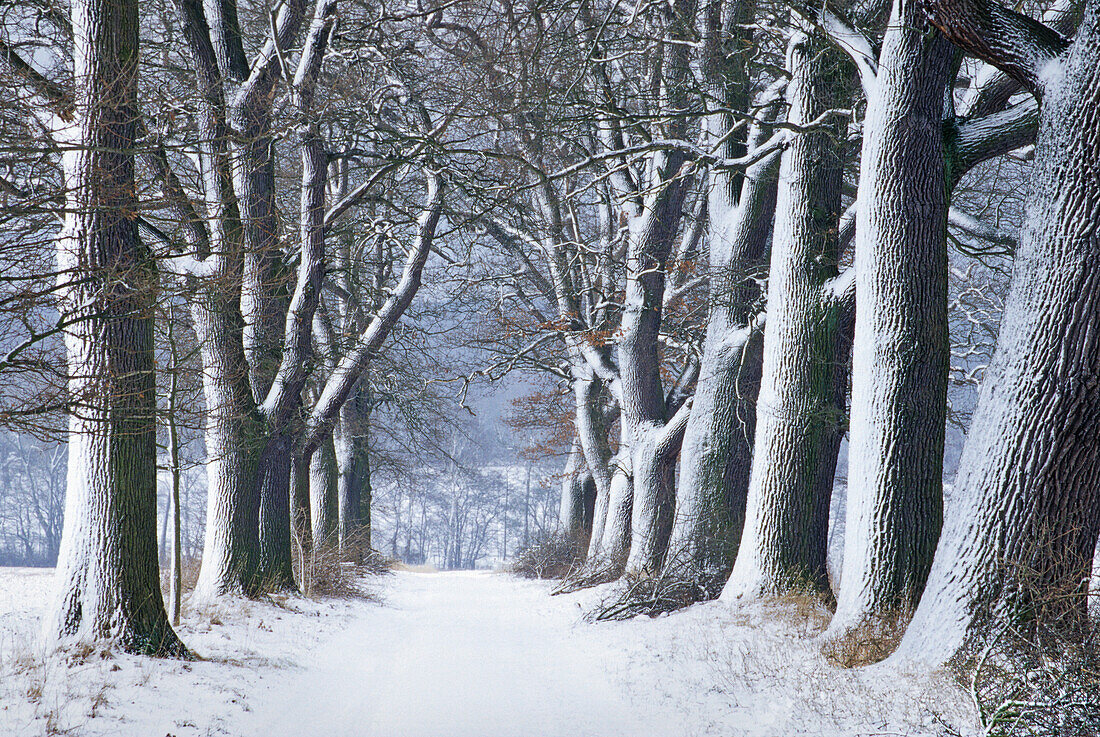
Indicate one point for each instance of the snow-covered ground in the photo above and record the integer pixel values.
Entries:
(460, 655)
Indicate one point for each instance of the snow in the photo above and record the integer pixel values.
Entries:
(462, 655)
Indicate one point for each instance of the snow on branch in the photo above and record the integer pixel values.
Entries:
(1022, 47)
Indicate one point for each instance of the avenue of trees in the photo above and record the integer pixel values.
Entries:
(734, 243)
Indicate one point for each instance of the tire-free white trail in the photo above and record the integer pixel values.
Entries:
(458, 655)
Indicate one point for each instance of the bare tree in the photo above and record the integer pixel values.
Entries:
(1023, 505)
(108, 582)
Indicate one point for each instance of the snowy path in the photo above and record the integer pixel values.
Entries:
(458, 655)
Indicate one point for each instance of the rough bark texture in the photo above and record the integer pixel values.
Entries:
(1023, 527)
(615, 545)
(351, 436)
(595, 457)
(322, 495)
(108, 581)
(573, 518)
(716, 456)
(798, 421)
(900, 359)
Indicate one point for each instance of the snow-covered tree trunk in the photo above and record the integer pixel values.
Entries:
(1025, 517)
(642, 398)
(615, 540)
(594, 458)
(351, 435)
(230, 544)
(573, 518)
(323, 479)
(901, 349)
(798, 422)
(717, 448)
(108, 582)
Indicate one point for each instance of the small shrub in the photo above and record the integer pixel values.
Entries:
(648, 594)
(332, 572)
(554, 555)
(1036, 672)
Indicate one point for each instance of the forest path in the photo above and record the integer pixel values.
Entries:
(459, 654)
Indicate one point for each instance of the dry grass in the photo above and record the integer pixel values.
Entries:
(554, 555)
(870, 642)
(189, 576)
(329, 574)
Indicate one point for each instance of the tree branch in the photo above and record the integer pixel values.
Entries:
(1021, 47)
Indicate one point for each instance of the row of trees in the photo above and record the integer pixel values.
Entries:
(168, 170)
(830, 155)
(724, 228)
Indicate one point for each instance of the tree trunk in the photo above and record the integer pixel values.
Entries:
(108, 581)
(798, 421)
(175, 579)
(233, 438)
(231, 548)
(717, 448)
(615, 541)
(351, 436)
(716, 456)
(322, 495)
(275, 563)
(595, 455)
(1023, 525)
(571, 508)
(901, 355)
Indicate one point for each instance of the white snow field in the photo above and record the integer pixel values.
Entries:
(461, 655)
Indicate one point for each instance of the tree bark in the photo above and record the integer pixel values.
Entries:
(799, 422)
(717, 449)
(322, 495)
(1021, 533)
(571, 511)
(108, 582)
(351, 436)
(901, 355)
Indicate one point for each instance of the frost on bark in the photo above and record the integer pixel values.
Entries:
(322, 495)
(716, 454)
(108, 580)
(901, 349)
(594, 457)
(800, 406)
(578, 496)
(1022, 529)
(351, 435)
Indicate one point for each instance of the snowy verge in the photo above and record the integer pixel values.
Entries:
(756, 669)
(241, 645)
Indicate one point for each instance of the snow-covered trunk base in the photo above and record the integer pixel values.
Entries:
(715, 461)
(323, 495)
(1022, 529)
(654, 501)
(108, 582)
(798, 420)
